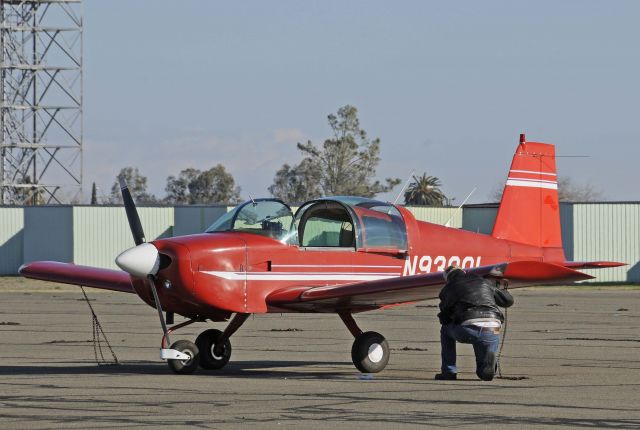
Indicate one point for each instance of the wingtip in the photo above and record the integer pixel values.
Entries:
(586, 276)
(21, 268)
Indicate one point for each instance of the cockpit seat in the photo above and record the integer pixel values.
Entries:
(347, 237)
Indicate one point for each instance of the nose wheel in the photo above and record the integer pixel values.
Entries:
(187, 365)
(205, 352)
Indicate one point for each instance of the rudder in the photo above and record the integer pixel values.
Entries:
(529, 211)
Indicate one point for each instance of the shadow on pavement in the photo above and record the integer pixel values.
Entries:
(253, 369)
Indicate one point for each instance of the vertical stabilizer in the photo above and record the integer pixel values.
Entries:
(529, 212)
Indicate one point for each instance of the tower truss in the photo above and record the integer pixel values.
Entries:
(41, 101)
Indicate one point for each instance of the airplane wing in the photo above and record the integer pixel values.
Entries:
(67, 273)
(370, 295)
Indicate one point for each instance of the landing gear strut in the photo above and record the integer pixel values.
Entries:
(183, 355)
(370, 350)
(212, 349)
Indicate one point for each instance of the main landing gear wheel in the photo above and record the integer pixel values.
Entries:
(370, 352)
(209, 357)
(185, 367)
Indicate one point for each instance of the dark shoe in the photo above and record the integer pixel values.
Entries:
(489, 370)
(446, 377)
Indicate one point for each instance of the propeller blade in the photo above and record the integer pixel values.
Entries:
(132, 213)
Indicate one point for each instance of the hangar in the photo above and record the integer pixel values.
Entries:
(591, 231)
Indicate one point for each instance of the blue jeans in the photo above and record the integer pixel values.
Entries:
(483, 340)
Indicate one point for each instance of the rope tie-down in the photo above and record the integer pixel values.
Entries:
(499, 358)
(99, 338)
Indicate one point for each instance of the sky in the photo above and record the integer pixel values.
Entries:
(447, 87)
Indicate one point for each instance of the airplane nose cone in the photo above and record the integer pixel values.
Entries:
(142, 260)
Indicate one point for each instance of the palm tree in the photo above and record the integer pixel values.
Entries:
(424, 190)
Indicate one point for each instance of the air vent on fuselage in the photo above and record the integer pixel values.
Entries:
(165, 261)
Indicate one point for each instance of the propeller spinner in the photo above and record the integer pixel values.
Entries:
(142, 260)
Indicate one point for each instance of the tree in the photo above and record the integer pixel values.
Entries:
(568, 191)
(178, 188)
(193, 186)
(94, 194)
(344, 165)
(425, 190)
(137, 186)
(298, 183)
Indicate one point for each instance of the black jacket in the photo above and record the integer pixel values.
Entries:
(467, 296)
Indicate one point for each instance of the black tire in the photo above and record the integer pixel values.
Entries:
(206, 342)
(370, 352)
(185, 367)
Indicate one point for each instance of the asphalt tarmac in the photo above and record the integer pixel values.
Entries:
(572, 356)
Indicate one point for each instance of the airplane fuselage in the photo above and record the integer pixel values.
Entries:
(212, 275)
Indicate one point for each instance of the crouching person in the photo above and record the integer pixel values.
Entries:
(470, 313)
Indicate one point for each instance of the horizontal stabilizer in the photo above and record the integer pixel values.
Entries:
(67, 273)
(592, 264)
(539, 273)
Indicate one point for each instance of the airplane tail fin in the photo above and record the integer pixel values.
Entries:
(529, 212)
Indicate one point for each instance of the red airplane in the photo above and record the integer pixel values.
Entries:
(339, 255)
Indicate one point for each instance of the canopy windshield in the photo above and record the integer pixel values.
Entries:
(266, 217)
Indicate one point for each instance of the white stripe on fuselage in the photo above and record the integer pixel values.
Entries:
(350, 266)
(300, 276)
(415, 265)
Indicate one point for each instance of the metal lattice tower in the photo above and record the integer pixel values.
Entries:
(41, 101)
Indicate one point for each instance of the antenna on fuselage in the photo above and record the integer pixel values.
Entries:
(447, 224)
(404, 186)
(252, 201)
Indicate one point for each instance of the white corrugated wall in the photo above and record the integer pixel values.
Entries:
(438, 215)
(608, 232)
(595, 231)
(101, 233)
(11, 232)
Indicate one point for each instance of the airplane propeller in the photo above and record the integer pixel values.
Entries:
(143, 260)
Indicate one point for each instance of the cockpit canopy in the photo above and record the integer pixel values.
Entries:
(335, 222)
(351, 222)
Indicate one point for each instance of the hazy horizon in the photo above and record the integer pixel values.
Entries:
(447, 87)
